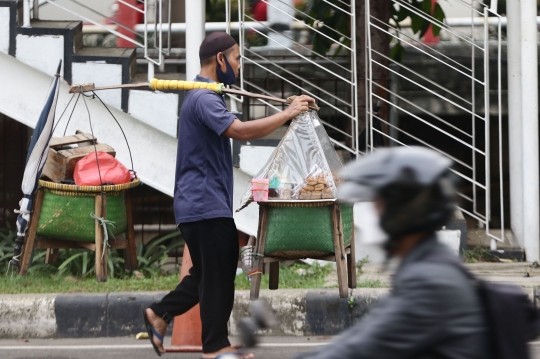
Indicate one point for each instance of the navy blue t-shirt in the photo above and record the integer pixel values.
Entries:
(204, 176)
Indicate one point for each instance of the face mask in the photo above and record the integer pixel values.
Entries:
(227, 78)
(369, 223)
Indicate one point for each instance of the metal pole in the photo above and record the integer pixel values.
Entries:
(26, 13)
(195, 19)
(513, 33)
(394, 114)
(151, 71)
(487, 159)
(35, 9)
(354, 103)
(529, 116)
(473, 111)
(369, 93)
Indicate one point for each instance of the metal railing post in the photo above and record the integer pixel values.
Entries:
(35, 10)
(26, 13)
(514, 117)
(195, 19)
(529, 136)
(151, 70)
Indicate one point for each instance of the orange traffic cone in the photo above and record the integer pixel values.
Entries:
(187, 330)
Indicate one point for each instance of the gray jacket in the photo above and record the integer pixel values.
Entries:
(432, 311)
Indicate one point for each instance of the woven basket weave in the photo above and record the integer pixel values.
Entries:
(300, 232)
(65, 212)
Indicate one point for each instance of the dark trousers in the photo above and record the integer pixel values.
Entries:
(213, 245)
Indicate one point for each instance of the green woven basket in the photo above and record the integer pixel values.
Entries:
(66, 209)
(303, 231)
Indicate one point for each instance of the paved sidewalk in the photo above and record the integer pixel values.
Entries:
(300, 312)
(518, 273)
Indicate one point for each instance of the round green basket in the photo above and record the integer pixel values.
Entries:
(66, 209)
(299, 232)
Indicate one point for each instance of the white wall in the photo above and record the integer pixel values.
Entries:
(101, 74)
(4, 29)
(454, 9)
(51, 12)
(157, 109)
(253, 158)
(41, 52)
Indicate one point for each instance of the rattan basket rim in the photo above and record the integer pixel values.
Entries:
(96, 189)
(300, 203)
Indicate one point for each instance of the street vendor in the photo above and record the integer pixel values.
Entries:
(203, 197)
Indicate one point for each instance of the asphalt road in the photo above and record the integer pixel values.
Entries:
(130, 348)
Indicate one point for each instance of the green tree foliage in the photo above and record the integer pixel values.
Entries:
(7, 242)
(215, 10)
(322, 14)
(422, 14)
(331, 24)
(80, 262)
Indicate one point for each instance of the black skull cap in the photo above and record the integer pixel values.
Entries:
(215, 42)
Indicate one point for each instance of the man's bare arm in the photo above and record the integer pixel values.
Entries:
(251, 130)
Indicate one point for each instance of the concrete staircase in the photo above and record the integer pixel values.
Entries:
(42, 45)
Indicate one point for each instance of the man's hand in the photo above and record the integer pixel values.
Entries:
(250, 130)
(299, 104)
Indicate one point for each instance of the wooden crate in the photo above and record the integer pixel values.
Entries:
(63, 158)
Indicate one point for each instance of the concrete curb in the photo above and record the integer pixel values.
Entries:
(91, 315)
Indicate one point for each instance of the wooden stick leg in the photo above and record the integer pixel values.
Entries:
(130, 254)
(341, 263)
(351, 262)
(51, 255)
(28, 246)
(101, 252)
(255, 286)
(274, 275)
(261, 240)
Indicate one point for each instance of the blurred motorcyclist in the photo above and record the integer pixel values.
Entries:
(432, 310)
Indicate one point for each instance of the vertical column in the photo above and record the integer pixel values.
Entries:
(513, 32)
(529, 116)
(279, 16)
(35, 10)
(195, 20)
(26, 13)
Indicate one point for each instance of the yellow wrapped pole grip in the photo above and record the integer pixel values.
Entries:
(179, 85)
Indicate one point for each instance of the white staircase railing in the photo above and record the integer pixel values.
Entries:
(341, 74)
(475, 155)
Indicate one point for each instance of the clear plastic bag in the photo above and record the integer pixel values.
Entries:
(304, 155)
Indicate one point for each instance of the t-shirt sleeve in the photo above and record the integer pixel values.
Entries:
(213, 113)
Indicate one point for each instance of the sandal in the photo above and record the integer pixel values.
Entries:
(151, 333)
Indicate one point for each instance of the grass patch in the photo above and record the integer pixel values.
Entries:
(360, 264)
(298, 275)
(478, 254)
(366, 282)
(42, 283)
(369, 283)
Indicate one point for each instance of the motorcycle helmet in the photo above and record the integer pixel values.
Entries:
(415, 185)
